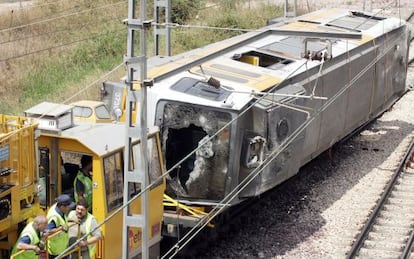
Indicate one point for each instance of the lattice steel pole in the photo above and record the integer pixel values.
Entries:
(136, 174)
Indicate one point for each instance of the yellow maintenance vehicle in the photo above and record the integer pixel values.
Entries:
(59, 143)
(18, 178)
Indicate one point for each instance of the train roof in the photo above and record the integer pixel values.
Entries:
(279, 45)
(100, 138)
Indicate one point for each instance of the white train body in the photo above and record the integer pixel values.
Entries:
(314, 79)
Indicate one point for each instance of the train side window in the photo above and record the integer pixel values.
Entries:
(113, 172)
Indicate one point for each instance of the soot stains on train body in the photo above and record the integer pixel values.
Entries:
(186, 128)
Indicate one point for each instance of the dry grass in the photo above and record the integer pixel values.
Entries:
(48, 32)
(53, 49)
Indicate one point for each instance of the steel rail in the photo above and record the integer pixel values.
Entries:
(378, 208)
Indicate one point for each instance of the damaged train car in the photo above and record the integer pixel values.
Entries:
(239, 117)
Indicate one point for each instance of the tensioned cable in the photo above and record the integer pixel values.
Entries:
(71, 28)
(177, 25)
(62, 45)
(59, 46)
(372, 16)
(84, 89)
(54, 13)
(185, 26)
(61, 17)
(41, 5)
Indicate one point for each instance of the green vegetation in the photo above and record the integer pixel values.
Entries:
(91, 57)
(94, 43)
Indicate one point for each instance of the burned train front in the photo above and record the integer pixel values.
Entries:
(196, 141)
(242, 121)
(211, 148)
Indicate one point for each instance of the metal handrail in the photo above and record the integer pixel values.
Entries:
(78, 249)
(19, 253)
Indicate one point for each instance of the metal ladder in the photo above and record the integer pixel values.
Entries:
(137, 64)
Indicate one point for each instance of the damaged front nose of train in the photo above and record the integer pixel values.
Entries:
(199, 174)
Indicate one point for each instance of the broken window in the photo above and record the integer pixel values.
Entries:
(187, 127)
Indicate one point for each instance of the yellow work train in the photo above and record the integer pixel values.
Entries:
(17, 178)
(59, 144)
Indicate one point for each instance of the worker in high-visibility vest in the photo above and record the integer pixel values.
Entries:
(87, 225)
(57, 221)
(30, 239)
(82, 185)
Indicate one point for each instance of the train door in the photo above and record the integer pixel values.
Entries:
(59, 162)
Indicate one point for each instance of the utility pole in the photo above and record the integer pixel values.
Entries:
(137, 174)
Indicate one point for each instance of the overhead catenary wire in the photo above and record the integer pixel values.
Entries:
(69, 99)
(154, 24)
(71, 27)
(59, 46)
(60, 17)
(41, 5)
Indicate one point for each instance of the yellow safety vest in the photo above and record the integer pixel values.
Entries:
(34, 240)
(57, 244)
(87, 183)
(88, 227)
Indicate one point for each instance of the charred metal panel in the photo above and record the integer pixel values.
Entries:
(390, 80)
(333, 118)
(278, 122)
(251, 124)
(359, 94)
(184, 128)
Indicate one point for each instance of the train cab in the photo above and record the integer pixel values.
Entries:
(60, 154)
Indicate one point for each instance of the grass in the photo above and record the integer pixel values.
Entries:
(92, 43)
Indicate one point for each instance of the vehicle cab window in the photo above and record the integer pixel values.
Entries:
(114, 176)
(102, 112)
(84, 112)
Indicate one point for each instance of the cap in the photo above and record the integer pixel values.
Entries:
(65, 200)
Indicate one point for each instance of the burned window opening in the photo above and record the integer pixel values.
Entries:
(179, 144)
(207, 180)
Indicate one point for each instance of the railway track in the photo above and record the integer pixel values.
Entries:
(389, 231)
